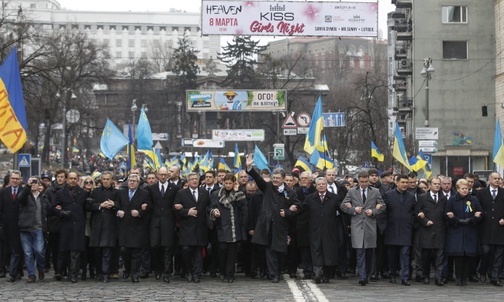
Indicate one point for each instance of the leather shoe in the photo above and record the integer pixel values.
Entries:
(2, 275)
(496, 282)
(222, 277)
(325, 280)
(418, 279)
(426, 281)
(405, 282)
(306, 277)
(31, 279)
(292, 276)
(275, 280)
(393, 280)
(473, 278)
(106, 278)
(230, 280)
(144, 276)
(135, 280)
(11, 279)
(362, 282)
(58, 277)
(126, 275)
(439, 283)
(41, 275)
(317, 279)
(197, 280)
(189, 278)
(158, 276)
(373, 278)
(342, 275)
(213, 275)
(166, 279)
(73, 279)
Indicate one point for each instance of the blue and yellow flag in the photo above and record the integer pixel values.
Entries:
(131, 150)
(112, 140)
(222, 165)
(152, 158)
(304, 164)
(376, 153)
(237, 159)
(399, 151)
(260, 160)
(417, 163)
(144, 133)
(314, 135)
(498, 149)
(13, 125)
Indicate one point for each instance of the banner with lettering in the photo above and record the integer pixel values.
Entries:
(236, 100)
(280, 18)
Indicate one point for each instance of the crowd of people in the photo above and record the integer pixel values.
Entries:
(390, 226)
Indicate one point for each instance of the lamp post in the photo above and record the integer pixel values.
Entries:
(64, 137)
(134, 108)
(427, 72)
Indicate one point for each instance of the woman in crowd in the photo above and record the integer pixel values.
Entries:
(462, 239)
(88, 184)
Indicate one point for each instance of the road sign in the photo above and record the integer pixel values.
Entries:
(334, 119)
(278, 151)
(24, 160)
(290, 131)
(289, 122)
(426, 133)
(430, 143)
(428, 149)
(208, 143)
(303, 119)
(303, 130)
(160, 136)
(158, 146)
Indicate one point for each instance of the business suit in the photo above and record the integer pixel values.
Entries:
(162, 227)
(132, 230)
(9, 219)
(193, 229)
(363, 227)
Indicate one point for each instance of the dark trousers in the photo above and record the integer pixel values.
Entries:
(104, 260)
(417, 254)
(162, 259)
(258, 260)
(403, 253)
(463, 265)
(227, 258)
(435, 256)
(3, 269)
(193, 260)
(380, 263)
(273, 262)
(56, 255)
(211, 260)
(306, 261)
(14, 249)
(364, 260)
(132, 259)
(292, 256)
(491, 260)
(72, 261)
(342, 248)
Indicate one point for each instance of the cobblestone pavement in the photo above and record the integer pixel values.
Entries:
(243, 289)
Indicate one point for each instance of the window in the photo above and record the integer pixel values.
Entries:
(131, 43)
(118, 43)
(455, 50)
(454, 14)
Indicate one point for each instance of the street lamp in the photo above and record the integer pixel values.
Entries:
(64, 137)
(134, 108)
(427, 72)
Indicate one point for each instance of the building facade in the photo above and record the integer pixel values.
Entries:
(459, 96)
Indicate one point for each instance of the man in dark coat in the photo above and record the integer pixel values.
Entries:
(211, 261)
(162, 225)
(279, 203)
(491, 228)
(398, 235)
(193, 204)
(70, 205)
(324, 224)
(430, 215)
(9, 219)
(103, 223)
(258, 252)
(133, 207)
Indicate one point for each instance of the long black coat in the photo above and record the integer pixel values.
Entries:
(323, 223)
(162, 224)
(193, 230)
(301, 221)
(400, 208)
(232, 224)
(434, 236)
(491, 232)
(9, 218)
(103, 221)
(254, 209)
(73, 228)
(462, 239)
(133, 230)
(271, 228)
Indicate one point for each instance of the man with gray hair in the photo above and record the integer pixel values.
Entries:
(279, 203)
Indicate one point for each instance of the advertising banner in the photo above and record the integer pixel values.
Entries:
(282, 18)
(238, 135)
(236, 100)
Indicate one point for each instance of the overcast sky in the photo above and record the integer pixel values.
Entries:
(187, 5)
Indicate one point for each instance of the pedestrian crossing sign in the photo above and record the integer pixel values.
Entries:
(24, 160)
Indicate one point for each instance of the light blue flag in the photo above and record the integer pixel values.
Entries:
(144, 133)
(260, 160)
(314, 135)
(498, 149)
(112, 140)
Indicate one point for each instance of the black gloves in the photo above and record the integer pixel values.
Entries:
(65, 214)
(464, 221)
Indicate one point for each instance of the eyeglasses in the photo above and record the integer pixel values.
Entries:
(88, 182)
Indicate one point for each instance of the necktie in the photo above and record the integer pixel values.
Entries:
(435, 198)
(131, 192)
(322, 198)
(162, 190)
(363, 196)
(494, 193)
(209, 190)
(195, 195)
(331, 188)
(14, 193)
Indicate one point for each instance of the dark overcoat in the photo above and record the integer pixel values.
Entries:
(193, 230)
(462, 239)
(491, 232)
(434, 236)
(162, 224)
(271, 228)
(9, 218)
(133, 230)
(73, 228)
(400, 208)
(103, 221)
(323, 222)
(301, 221)
(232, 224)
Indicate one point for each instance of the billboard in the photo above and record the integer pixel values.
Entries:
(236, 100)
(238, 135)
(282, 18)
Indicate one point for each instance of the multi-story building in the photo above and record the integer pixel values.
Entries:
(129, 35)
(458, 97)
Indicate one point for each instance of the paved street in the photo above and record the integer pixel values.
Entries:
(243, 289)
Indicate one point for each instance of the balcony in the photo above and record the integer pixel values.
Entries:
(400, 85)
(403, 3)
(404, 104)
(404, 67)
(404, 29)
(400, 52)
